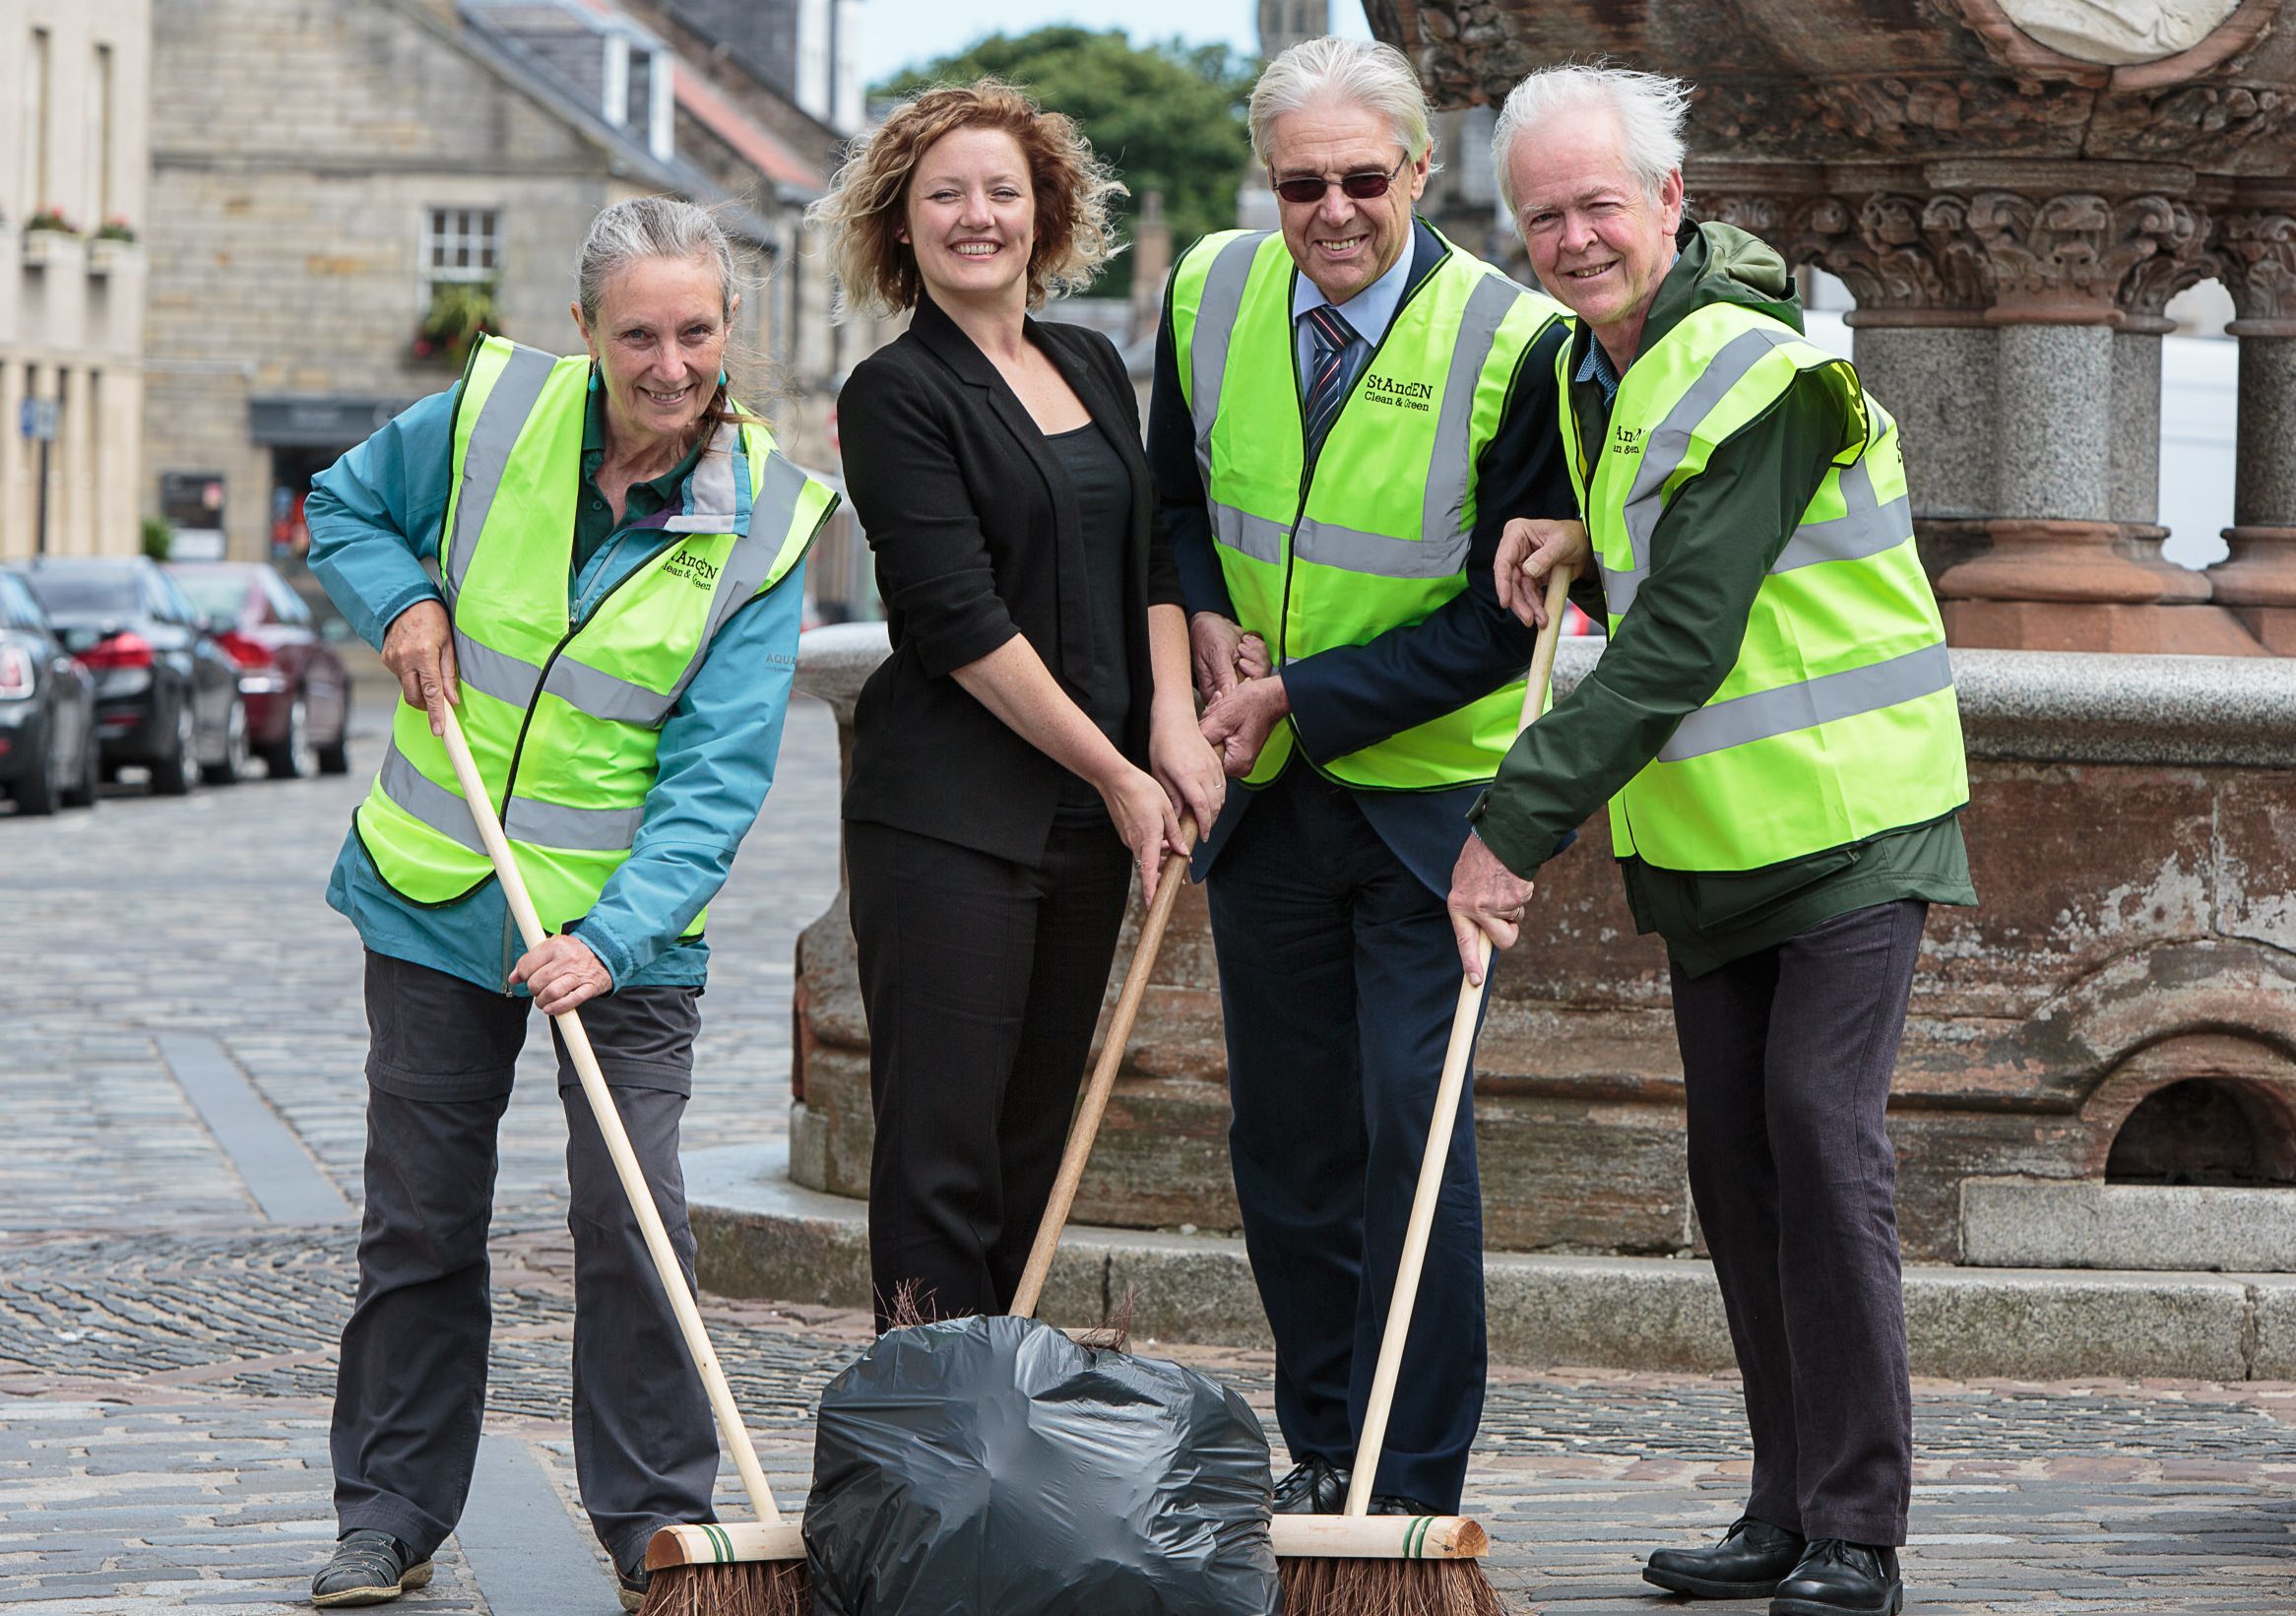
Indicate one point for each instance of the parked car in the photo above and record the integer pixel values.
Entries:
(166, 694)
(47, 710)
(297, 692)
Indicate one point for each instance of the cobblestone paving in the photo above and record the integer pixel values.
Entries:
(167, 1355)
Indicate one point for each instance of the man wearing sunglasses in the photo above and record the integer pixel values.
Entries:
(1346, 413)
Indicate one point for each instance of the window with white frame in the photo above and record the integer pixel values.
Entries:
(463, 244)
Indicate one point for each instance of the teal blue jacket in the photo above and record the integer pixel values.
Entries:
(374, 519)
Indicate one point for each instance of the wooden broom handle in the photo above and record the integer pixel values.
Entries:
(617, 1137)
(1447, 1111)
(1086, 1127)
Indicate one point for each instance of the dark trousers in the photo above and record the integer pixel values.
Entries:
(1787, 1057)
(1338, 977)
(411, 1389)
(982, 980)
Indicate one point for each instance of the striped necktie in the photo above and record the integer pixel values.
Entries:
(1332, 369)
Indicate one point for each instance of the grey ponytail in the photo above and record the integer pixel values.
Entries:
(652, 227)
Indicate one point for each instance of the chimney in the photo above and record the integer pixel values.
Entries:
(1151, 263)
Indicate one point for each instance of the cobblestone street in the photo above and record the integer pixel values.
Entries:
(180, 1008)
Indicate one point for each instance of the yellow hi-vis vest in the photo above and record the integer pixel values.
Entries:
(563, 714)
(1372, 534)
(1838, 721)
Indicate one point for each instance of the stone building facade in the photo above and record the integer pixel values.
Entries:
(74, 82)
(403, 154)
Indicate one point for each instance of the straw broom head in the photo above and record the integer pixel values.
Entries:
(753, 1588)
(1387, 1588)
(743, 1568)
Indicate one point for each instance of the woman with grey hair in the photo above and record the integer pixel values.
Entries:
(618, 546)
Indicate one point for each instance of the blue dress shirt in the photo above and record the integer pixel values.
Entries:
(1369, 311)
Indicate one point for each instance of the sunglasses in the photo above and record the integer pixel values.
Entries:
(1361, 187)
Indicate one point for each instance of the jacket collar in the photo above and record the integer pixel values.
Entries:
(932, 326)
(1427, 251)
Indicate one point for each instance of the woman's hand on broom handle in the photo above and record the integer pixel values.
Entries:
(562, 974)
(616, 1137)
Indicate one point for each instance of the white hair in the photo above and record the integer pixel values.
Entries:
(1343, 73)
(1650, 108)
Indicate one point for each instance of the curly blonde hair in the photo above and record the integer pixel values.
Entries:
(866, 205)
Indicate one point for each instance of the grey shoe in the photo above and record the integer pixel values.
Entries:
(631, 1585)
(369, 1568)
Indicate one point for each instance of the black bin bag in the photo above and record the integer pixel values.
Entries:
(992, 1467)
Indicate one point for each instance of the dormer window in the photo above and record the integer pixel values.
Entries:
(639, 94)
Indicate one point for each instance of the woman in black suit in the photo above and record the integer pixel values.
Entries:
(1028, 749)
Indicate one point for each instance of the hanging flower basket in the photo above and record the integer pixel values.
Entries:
(112, 248)
(461, 312)
(49, 239)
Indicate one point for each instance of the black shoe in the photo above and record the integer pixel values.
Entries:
(369, 1568)
(633, 1586)
(1397, 1504)
(1314, 1486)
(1749, 1561)
(1836, 1578)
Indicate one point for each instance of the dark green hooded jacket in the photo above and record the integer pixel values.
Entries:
(1708, 556)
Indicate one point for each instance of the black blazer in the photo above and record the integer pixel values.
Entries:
(977, 537)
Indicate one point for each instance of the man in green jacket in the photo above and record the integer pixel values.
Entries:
(1772, 725)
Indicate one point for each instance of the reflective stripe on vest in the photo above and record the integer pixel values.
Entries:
(566, 746)
(1837, 721)
(550, 824)
(1376, 533)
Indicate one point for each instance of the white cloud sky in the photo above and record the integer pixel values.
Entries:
(899, 33)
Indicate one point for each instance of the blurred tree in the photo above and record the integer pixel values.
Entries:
(1166, 117)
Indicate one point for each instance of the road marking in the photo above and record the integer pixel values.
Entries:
(278, 1172)
(524, 1550)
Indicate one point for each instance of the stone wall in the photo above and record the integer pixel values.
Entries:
(2133, 846)
(297, 151)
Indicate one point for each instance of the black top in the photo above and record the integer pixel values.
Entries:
(1104, 496)
(978, 535)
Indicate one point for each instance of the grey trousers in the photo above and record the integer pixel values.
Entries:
(1787, 1057)
(412, 1387)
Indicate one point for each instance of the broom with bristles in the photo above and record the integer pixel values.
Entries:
(695, 1571)
(1360, 1564)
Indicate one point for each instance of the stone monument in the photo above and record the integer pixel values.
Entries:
(2014, 190)
(2105, 1049)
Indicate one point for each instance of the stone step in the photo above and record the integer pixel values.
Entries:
(759, 1235)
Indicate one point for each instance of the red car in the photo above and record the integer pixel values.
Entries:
(293, 685)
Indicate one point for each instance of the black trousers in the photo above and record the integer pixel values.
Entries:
(1787, 1057)
(982, 980)
(412, 1390)
(1338, 977)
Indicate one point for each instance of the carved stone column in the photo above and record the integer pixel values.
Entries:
(2012, 323)
(2257, 579)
